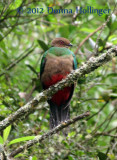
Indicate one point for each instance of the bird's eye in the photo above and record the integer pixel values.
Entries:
(61, 42)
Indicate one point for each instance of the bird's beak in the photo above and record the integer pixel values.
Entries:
(70, 45)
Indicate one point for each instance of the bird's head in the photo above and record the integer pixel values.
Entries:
(61, 42)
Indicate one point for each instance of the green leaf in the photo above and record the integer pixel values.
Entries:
(70, 158)
(19, 155)
(34, 158)
(65, 144)
(6, 133)
(21, 139)
(101, 42)
(71, 134)
(113, 94)
(43, 45)
(112, 24)
(15, 4)
(112, 75)
(102, 156)
(88, 30)
(1, 140)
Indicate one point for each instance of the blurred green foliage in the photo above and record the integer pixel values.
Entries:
(19, 32)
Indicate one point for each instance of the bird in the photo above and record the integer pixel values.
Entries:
(56, 63)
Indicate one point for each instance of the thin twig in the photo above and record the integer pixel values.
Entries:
(105, 134)
(111, 130)
(107, 119)
(4, 9)
(84, 40)
(103, 26)
(14, 63)
(39, 138)
(98, 111)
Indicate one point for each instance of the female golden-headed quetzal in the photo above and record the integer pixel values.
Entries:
(56, 64)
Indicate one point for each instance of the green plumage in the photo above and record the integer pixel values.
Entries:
(57, 51)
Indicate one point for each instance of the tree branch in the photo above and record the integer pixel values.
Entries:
(105, 134)
(17, 61)
(84, 40)
(98, 111)
(39, 138)
(99, 28)
(92, 64)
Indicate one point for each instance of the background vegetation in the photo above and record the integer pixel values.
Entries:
(23, 39)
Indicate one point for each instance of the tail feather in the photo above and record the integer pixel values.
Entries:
(58, 115)
(65, 113)
(54, 117)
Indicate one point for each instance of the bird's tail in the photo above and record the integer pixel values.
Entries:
(58, 115)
